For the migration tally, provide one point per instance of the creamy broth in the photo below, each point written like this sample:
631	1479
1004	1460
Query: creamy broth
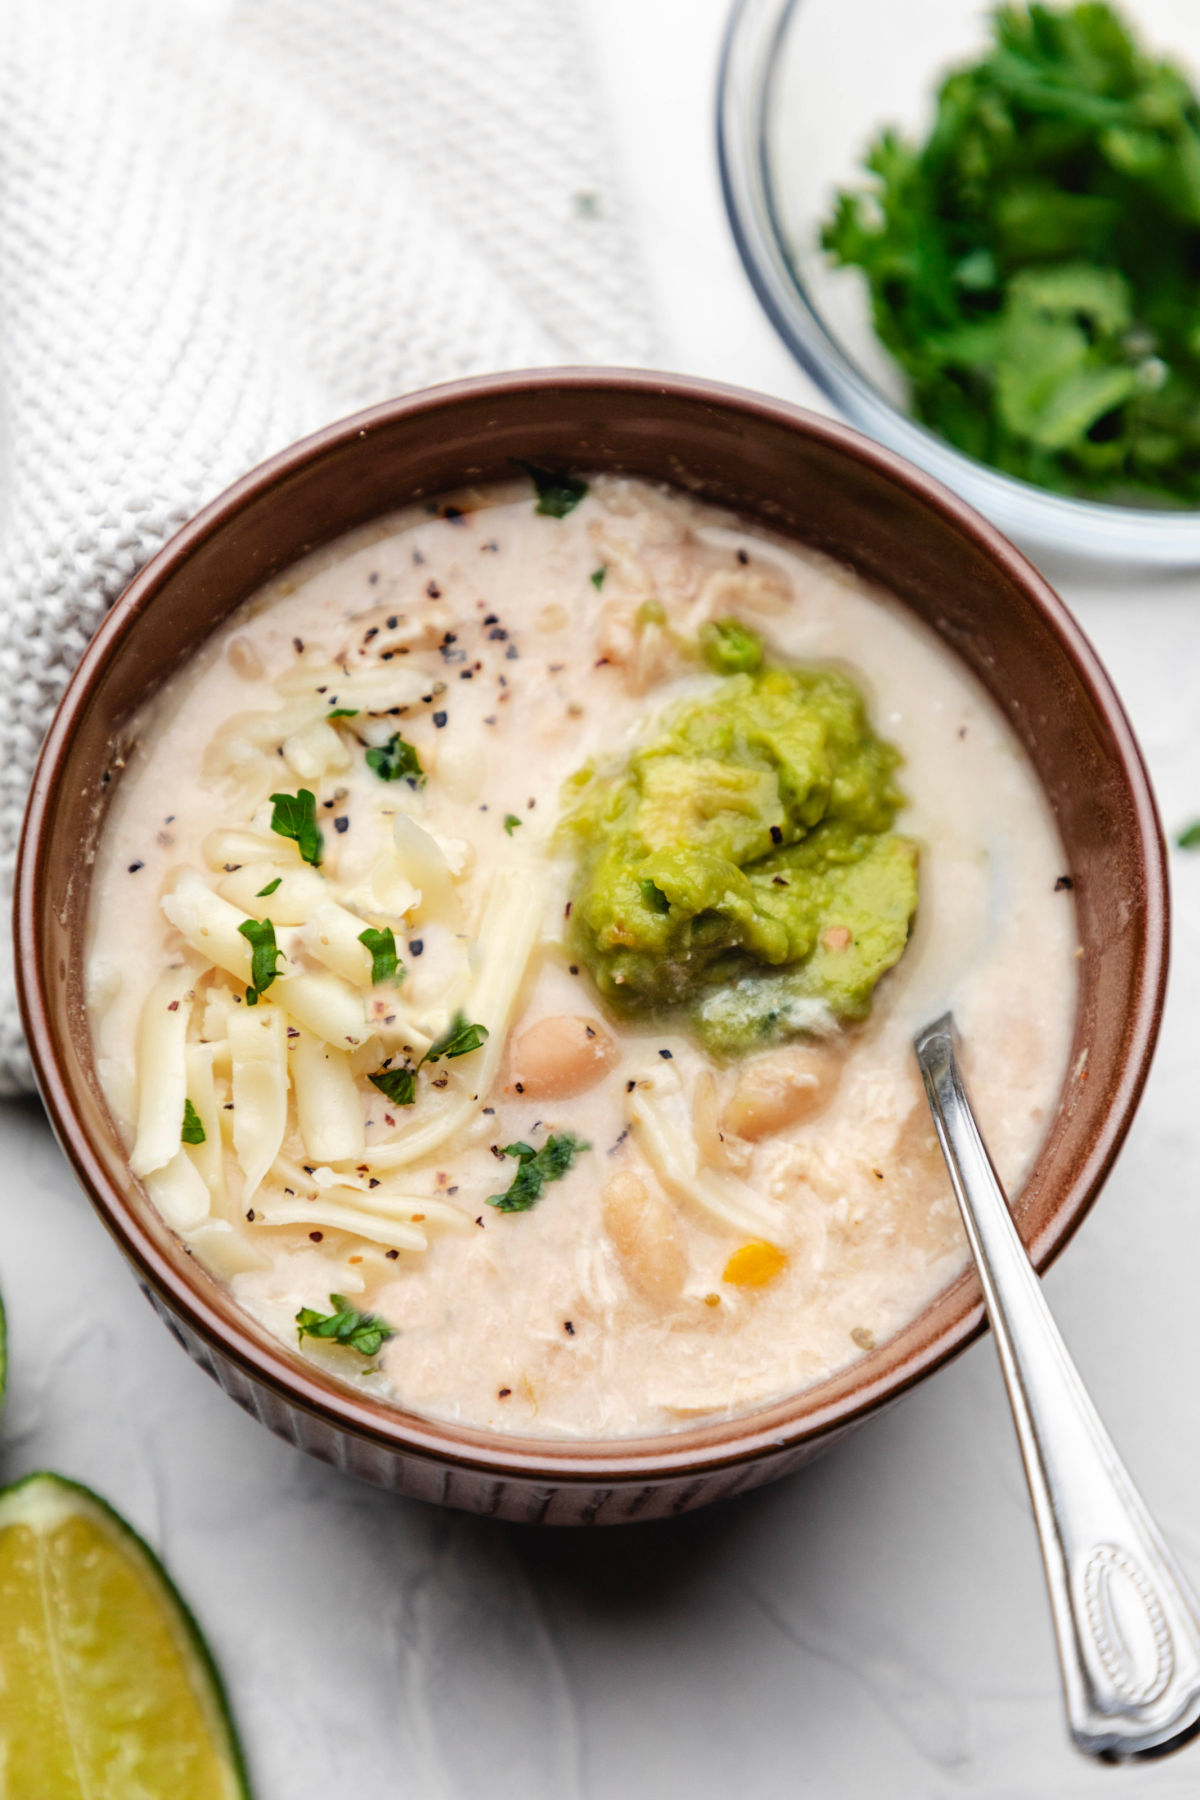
518	646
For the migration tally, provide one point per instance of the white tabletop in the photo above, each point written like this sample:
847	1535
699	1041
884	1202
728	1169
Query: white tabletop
874	1627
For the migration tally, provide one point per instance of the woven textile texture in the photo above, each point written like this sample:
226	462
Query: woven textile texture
225	222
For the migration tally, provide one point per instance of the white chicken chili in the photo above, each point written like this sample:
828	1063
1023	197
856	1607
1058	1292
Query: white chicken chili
506	941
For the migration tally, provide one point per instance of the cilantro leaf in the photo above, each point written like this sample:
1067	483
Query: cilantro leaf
343	712
511	822
362	1331
397	1085
395	761
193	1131
295	816
264	954
269	889
557	492
1032	263
535	1168
381	946
1189	837
459	1039
597	576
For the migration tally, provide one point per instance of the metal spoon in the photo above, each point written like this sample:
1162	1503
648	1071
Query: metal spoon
1126	1622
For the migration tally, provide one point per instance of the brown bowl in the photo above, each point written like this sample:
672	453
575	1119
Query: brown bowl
799	474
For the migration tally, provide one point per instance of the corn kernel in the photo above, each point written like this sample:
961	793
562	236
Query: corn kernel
754	1265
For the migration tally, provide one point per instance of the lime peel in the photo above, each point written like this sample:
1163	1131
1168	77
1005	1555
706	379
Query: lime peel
110	1688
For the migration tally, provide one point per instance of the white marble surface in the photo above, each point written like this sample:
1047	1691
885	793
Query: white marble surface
873	1627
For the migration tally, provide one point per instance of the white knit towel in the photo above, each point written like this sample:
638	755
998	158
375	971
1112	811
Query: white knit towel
225	222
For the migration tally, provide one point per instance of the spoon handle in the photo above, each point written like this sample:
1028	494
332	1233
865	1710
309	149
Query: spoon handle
1126	1621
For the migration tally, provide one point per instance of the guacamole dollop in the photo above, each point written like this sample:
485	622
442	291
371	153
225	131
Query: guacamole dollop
742	866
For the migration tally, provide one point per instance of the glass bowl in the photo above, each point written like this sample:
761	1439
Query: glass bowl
804	86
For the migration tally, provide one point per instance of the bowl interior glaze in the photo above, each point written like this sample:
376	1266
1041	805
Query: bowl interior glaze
797	474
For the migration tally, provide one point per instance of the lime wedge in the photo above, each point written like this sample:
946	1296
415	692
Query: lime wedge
108	1688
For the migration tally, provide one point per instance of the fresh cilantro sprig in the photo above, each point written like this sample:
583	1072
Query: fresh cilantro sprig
397	1085
396	761
1032	263
264	955
193	1131
459	1039
362	1331
534	1169
558	493
381	947
295	816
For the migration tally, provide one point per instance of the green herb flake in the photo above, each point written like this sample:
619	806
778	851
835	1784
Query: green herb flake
269	889
397	1085
557	492
597	576
264	953
1032	263
193	1131
511	822
459	1039
535	1169
343	712
295	816
1189	837
396	761
381	947
361	1331
731	649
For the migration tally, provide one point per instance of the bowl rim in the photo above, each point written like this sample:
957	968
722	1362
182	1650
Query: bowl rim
1091	529
774	1426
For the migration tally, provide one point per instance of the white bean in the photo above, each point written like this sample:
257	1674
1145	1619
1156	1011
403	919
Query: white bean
560	1056
641	1224
780	1089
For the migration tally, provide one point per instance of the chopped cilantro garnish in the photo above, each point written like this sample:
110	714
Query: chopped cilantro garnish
343	712
459	1039
381	946
1032	264
557	492
730	648
535	1169
397	1085
361	1331
597	576
511	822
1189	837
193	1131
654	897
269	889
295	816
264	952
397	760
